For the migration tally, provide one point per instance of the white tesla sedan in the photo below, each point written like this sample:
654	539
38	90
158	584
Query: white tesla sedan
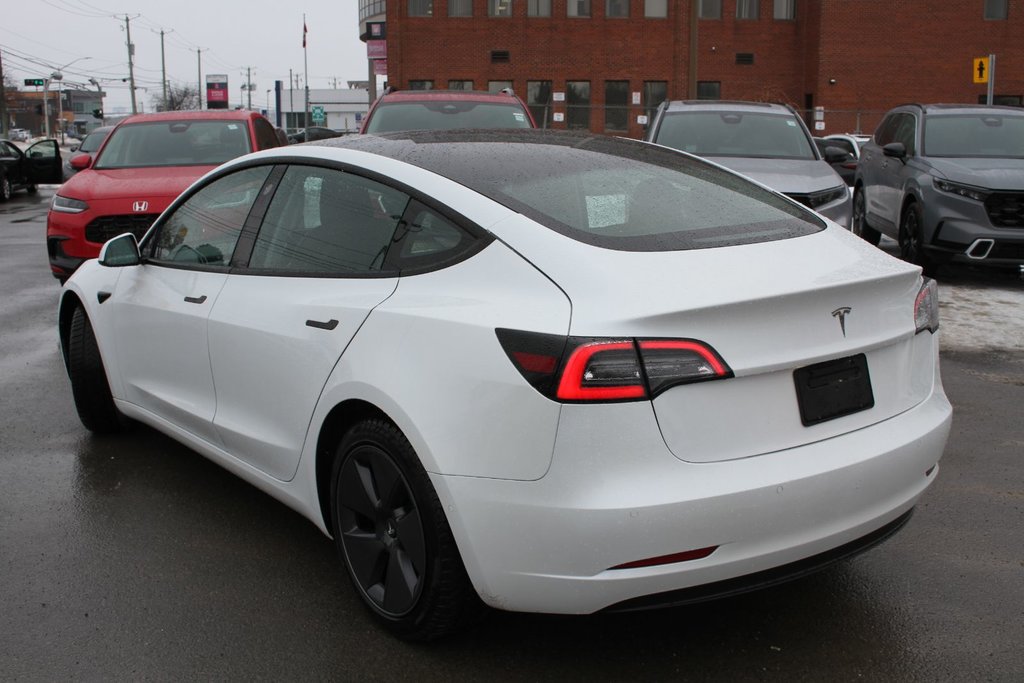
540	371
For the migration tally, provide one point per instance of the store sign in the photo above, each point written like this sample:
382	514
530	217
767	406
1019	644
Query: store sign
377	49
216	91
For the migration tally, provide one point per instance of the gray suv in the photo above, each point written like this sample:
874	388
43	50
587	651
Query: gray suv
947	182
766	142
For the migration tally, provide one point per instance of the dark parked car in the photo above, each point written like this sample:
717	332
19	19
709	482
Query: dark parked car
23	170
841	155
313	133
89	145
947	182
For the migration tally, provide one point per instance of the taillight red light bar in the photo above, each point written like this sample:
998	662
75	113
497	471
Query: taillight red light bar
589	369
685	556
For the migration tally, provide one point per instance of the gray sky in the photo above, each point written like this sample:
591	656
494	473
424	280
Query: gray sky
37	36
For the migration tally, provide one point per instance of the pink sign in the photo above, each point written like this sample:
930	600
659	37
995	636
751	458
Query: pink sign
377	49
380	67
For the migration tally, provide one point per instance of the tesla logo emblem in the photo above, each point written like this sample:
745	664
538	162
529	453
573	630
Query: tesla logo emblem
140	206
841	313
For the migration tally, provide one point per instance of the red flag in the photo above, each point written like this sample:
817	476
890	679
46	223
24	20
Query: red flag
304	32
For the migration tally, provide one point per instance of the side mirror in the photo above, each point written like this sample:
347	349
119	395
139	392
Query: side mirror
835	155
896	150
120	251
81	161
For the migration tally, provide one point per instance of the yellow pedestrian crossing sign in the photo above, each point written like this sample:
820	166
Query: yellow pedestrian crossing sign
981	69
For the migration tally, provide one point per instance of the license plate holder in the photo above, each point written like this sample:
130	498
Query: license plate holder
832	389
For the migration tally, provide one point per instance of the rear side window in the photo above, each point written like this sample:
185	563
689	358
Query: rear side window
327	222
446	115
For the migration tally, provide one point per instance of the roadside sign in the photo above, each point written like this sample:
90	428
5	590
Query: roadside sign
318	114
980	69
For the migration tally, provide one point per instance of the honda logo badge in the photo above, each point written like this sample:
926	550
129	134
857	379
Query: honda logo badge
841	313
139	207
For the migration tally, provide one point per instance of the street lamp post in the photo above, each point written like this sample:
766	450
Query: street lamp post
58	76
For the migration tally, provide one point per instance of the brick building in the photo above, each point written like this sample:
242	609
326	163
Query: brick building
603	64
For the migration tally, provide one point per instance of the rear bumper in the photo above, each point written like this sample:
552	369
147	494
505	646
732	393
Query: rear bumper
615	495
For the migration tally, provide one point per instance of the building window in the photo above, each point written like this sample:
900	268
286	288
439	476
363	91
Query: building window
709	90
616	105
499	8
538	99
1006	100
421	85
577	104
710	9
655	92
785	9
747	9
577	8
421	8
655	9
538	8
460	8
498	86
616	8
995	9
460	85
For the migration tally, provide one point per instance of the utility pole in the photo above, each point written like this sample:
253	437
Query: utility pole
291	98
199	76
131	66
163	69
249	86
3	99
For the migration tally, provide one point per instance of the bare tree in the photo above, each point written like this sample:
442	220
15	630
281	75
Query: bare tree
179	97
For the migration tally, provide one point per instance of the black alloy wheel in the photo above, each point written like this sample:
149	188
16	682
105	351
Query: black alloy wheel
859	220
393	537
912	239
5	188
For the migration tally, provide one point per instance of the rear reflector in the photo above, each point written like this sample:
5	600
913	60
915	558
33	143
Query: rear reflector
684	556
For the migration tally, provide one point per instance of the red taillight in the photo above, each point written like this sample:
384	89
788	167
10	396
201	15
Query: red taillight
582	369
685	556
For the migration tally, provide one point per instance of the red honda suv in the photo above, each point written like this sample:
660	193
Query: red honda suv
143	165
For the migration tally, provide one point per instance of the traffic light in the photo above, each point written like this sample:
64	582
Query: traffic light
97	113
35	81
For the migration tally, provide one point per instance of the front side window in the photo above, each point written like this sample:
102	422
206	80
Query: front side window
616	8
616	105
655	9
203	231
175	143
886	129
735	134
996	9
747	9
538	8
499	8
577	8
327	222
421	8
906	132
577	101
460	8
710	9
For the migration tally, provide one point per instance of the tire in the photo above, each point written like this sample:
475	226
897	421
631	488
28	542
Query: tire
393	537
5	188
859	220
911	239
89	384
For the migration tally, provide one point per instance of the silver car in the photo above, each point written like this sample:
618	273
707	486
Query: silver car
766	142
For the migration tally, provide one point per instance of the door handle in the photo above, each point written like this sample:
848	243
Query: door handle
329	325
195	299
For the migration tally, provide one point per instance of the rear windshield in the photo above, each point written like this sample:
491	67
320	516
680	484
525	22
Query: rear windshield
174	143
735	134
619	194
974	135
445	115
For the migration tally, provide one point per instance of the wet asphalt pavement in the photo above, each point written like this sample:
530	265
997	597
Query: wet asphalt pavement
133	558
